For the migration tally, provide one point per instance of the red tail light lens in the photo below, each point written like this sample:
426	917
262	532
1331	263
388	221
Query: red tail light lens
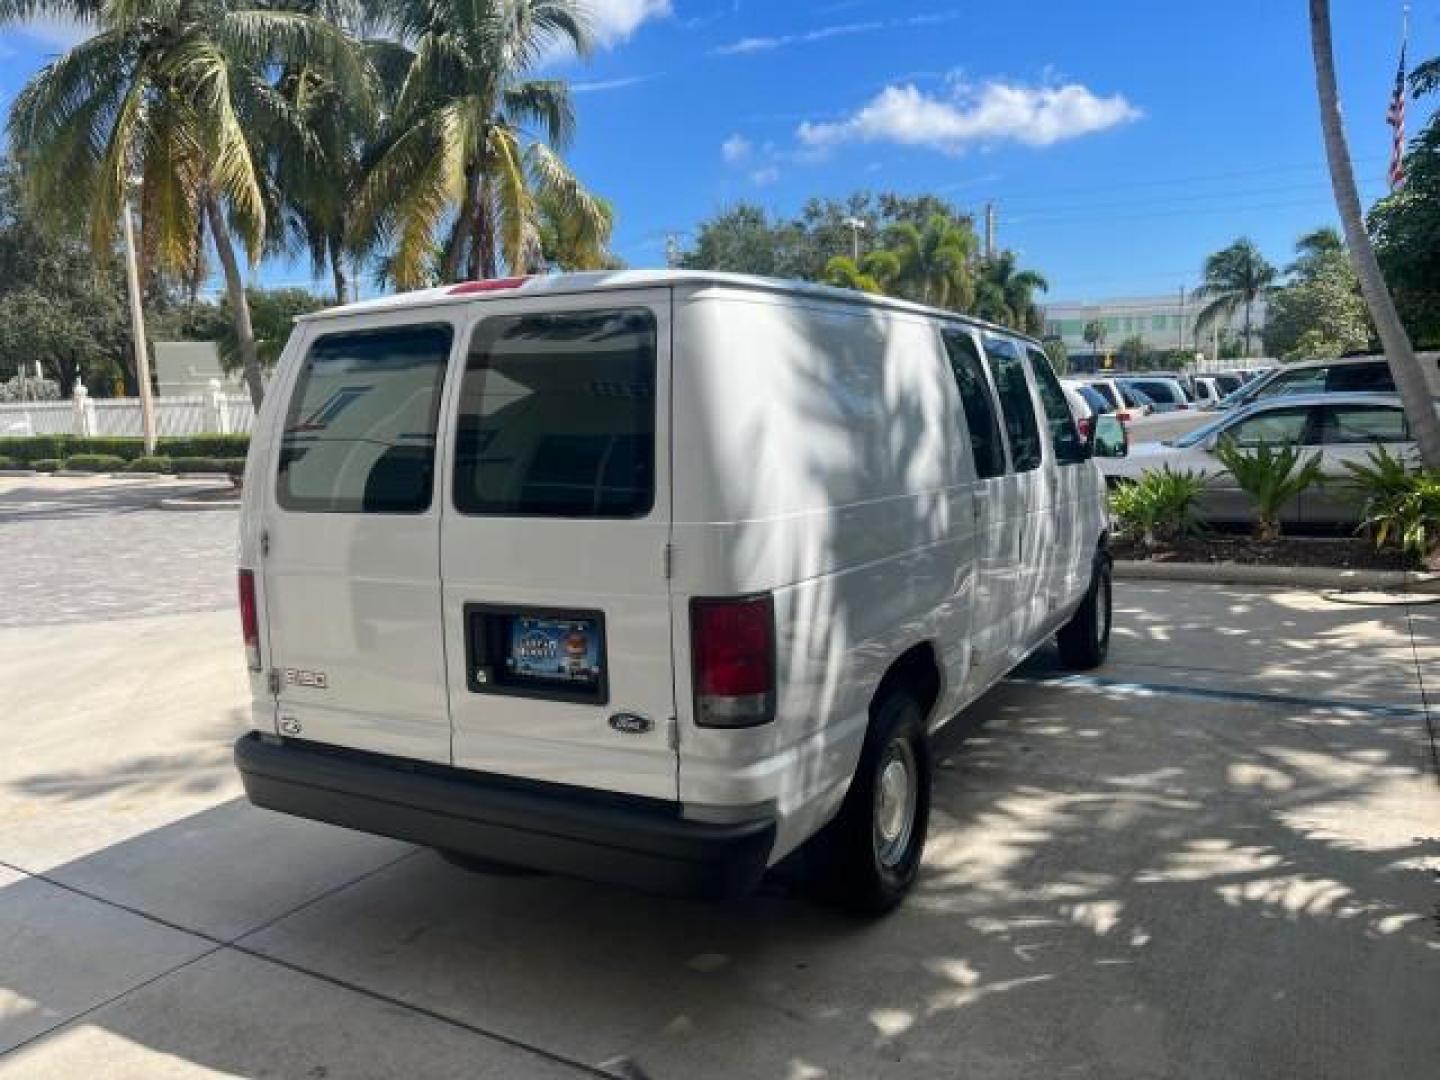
467	288
1084	424
250	619
733	646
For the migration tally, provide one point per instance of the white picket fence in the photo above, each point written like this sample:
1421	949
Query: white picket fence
213	413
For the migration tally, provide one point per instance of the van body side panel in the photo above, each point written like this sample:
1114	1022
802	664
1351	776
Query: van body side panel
815	458
352	596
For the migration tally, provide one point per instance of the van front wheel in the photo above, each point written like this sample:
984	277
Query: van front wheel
867	858
1085	640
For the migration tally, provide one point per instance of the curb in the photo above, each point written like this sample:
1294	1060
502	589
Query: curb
192	503
18	472
1312	577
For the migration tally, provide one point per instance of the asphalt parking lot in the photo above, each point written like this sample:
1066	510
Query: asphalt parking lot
1218	858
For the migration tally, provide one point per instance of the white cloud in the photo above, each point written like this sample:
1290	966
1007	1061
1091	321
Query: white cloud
996	111
750	45
735	149
823	33
600	85
614	21
765	177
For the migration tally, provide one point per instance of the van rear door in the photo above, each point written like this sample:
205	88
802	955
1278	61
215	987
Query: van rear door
553	553
351	538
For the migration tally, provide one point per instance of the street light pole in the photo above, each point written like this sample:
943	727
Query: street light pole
856	226
137	328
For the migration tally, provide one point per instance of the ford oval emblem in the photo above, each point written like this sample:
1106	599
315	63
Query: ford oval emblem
629	723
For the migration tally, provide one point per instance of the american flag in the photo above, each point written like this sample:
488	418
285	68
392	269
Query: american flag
1395	117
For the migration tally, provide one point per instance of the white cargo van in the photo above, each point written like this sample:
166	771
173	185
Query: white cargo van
652	577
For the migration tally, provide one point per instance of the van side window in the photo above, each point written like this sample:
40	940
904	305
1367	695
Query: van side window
359	434
1007	368
557	416
1064	435
986	442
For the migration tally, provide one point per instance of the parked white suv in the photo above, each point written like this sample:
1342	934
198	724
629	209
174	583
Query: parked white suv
652	577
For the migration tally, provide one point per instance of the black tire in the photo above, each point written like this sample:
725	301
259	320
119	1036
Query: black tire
852	862
1085	640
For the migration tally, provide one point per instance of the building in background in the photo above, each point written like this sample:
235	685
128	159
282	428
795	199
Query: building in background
1164	324
184	368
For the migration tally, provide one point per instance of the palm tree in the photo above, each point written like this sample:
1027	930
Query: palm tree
1316	250
1006	295
934	261
1410	378
169	92
474	140
874	273
1234	279
1095	337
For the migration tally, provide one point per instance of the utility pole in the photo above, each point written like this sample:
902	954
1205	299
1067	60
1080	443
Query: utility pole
989	230
856	226
137	329
1180	328
672	250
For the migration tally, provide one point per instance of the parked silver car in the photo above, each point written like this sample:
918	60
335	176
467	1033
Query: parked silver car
1339	427
1354	374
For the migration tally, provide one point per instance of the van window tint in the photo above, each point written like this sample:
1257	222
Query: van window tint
557	416
1064	435
1007	368
986	443
1350	425
360	431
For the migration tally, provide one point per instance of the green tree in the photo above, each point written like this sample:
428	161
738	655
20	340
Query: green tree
1318	316
1318	251
744	240
1133	354
1405	225
1094	335
1235	278
933	262
1059	355
169	91
274	312
1006	294
474	138
875	273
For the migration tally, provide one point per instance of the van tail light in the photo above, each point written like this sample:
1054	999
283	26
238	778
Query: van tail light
250	619
1085	423
732	645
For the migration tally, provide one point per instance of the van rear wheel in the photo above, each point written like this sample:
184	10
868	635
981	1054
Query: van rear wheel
1085	640
868	857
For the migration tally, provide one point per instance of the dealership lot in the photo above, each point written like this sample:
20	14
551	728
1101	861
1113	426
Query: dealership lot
1220	856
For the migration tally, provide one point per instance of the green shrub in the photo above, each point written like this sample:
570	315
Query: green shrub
149	464
103	463
46	464
36	447
235	466
8	463
1402	508
1159	508
1272	477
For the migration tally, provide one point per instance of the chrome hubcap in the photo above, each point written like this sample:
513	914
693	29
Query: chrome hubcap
895	798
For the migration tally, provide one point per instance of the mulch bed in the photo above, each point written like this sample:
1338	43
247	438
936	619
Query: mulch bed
1341	553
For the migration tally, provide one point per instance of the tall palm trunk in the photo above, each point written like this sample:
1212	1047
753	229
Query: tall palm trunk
1248	302
338	273
239	305
1405	366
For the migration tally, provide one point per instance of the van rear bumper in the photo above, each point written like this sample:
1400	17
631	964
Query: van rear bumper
624	840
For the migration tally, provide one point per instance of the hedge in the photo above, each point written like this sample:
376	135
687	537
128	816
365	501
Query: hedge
149	464
58	447
232	466
100	463
9	463
45	464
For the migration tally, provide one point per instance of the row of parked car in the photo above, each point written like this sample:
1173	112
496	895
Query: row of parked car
1341	410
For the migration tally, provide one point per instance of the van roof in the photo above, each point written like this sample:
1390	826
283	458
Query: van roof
570	284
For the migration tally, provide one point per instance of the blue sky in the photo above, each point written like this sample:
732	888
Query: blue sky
1122	140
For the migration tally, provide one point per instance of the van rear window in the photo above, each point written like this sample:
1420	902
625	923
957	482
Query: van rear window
360	431
557	416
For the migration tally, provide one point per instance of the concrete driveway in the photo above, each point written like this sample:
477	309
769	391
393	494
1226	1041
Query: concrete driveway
1220	857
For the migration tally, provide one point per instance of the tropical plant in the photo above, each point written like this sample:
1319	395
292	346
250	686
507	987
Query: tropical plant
170	92
933	262
1059	355
1006	295
1317	252
1159	508
1094	334
1410	378
1272	477
474	140
874	273
1235	278
1134	354
274	312
1401	507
